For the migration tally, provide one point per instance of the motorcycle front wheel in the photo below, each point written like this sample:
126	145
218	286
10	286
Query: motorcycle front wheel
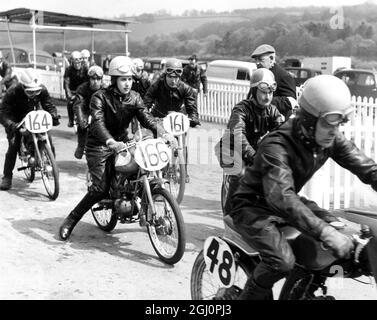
205	287
104	215
49	171
176	176
167	230
29	171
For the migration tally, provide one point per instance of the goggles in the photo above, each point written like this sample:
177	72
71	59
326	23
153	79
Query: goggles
265	87
32	93
335	118
95	74
172	71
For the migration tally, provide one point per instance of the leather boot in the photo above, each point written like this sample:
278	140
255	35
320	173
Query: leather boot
253	291
6	183
68	224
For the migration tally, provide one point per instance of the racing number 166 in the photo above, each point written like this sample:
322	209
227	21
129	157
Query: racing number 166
153	154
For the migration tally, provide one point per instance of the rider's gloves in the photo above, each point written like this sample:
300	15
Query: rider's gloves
11	128
55	121
249	157
116	146
170	139
194	123
83	124
340	244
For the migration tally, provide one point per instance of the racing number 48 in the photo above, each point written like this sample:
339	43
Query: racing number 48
224	267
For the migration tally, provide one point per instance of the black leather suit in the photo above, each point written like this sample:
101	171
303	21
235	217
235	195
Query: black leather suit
14	107
162	99
266	194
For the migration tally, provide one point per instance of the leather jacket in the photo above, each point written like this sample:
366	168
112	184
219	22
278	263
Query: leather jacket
73	78
141	84
81	103
284	163
254	123
194	76
112	113
161	99
16	105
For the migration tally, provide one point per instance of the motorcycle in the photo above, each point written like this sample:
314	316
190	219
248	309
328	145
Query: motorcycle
137	194
222	268
177	124
36	152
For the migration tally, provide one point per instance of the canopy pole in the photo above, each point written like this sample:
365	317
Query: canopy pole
92	53
33	26
126	42
11	42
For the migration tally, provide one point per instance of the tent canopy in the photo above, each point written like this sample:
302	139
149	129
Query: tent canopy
24	15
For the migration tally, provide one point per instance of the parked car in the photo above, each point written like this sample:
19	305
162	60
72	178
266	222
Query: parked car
302	74
236	72
361	82
24	58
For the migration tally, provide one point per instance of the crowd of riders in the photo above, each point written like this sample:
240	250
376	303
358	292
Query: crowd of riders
277	140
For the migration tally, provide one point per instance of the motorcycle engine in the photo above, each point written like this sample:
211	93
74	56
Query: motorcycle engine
123	207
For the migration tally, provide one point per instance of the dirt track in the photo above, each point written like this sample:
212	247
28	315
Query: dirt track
94	265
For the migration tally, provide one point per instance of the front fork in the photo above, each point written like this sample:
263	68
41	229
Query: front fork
42	137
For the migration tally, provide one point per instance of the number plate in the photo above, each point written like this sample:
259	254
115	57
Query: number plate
152	154
38	121
176	123
220	261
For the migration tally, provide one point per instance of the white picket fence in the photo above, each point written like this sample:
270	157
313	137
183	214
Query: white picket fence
332	186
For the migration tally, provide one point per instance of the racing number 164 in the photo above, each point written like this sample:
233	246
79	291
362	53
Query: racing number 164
36	124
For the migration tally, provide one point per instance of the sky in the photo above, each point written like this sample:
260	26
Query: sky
115	8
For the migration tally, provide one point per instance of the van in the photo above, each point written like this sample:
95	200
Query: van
24	58
230	71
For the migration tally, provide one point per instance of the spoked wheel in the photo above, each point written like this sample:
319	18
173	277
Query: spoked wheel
104	215
29	171
49	171
176	175
167	231
205	287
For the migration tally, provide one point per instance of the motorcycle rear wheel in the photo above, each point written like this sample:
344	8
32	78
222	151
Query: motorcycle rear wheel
204	287
49	171
167	232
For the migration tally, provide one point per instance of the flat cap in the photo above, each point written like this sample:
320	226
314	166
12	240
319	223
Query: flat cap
263	49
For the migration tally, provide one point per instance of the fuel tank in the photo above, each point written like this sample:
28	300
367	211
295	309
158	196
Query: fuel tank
311	253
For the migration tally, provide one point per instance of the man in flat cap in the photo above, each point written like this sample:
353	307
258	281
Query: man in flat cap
285	94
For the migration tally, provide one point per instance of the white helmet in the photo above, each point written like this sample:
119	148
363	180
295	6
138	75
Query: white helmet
29	78
75	55
121	66
138	63
326	96
95	71
85	53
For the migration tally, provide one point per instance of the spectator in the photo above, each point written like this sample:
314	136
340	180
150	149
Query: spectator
5	73
194	75
106	64
285	94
